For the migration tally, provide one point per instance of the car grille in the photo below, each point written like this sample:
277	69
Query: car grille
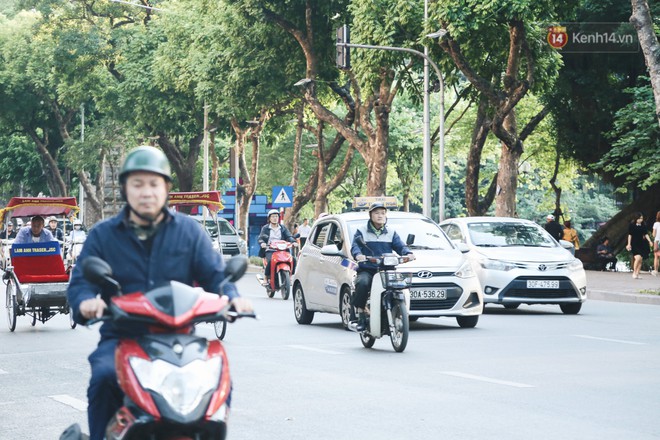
454	292
230	248
518	289
541	267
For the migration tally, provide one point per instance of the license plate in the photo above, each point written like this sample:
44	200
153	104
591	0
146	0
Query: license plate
542	284
428	294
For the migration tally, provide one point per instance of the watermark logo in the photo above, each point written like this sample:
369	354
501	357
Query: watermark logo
592	37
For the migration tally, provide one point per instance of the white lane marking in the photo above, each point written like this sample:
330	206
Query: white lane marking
318	350
3	371
6	403
487	379
620	341
70	401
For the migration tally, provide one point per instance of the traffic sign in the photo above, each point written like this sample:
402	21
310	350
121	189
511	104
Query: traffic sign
282	196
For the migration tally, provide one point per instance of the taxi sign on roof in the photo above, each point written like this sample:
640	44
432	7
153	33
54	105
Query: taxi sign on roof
365	202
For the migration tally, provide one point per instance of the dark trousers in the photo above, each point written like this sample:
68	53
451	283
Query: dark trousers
606	261
104	396
362	287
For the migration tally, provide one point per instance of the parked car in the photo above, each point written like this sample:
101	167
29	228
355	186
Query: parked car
518	262
443	281
228	241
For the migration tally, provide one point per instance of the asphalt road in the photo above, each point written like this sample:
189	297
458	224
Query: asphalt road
521	374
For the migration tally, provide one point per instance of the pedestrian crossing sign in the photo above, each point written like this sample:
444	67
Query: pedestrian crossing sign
282	196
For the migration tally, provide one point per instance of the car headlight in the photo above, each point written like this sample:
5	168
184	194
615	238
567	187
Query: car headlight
575	265
465	271
496	265
182	387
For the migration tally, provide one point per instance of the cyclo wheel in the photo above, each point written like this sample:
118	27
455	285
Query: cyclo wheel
220	328
72	323
34	317
399	336
10	302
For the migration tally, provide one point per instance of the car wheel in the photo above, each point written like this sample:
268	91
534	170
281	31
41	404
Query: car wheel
303	316
570	308
467	321
511	306
345	307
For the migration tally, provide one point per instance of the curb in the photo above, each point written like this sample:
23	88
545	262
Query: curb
635	298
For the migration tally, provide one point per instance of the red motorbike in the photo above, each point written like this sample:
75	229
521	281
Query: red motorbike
176	384
281	268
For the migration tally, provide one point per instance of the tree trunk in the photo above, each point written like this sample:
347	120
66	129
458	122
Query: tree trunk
507	175
183	166
643	22
479	136
555	188
50	167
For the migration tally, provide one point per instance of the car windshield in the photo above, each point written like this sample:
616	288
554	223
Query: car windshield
212	227
425	234
502	234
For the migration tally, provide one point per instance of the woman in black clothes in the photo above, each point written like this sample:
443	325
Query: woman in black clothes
638	242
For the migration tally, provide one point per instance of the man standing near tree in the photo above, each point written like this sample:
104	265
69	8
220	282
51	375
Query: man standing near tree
553	227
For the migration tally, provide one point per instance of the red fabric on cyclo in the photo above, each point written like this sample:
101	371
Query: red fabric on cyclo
38	263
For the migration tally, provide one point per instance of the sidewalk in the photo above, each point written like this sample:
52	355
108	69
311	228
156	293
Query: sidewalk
621	287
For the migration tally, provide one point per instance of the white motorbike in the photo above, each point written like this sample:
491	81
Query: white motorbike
388	302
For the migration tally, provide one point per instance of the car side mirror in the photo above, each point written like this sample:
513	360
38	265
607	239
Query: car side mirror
331	250
568	246
240	232
462	247
410	239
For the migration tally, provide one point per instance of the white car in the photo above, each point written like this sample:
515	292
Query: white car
518	262
443	281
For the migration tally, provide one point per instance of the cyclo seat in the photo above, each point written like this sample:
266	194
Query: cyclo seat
38	262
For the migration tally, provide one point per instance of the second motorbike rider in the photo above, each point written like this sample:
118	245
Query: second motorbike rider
146	246
372	239
273	230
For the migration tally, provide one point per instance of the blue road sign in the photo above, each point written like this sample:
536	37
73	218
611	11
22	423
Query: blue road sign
282	196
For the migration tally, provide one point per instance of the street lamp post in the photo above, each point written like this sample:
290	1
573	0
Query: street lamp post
427	153
426	170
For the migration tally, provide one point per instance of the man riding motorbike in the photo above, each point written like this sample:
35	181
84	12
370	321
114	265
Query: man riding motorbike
146	246
372	239
273	230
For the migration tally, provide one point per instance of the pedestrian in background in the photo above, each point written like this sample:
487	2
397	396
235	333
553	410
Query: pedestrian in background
553	227
638	241
304	231
656	244
570	234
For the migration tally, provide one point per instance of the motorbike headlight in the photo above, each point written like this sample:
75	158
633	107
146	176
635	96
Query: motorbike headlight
281	246
182	387
395	280
575	265
465	270
496	265
390	261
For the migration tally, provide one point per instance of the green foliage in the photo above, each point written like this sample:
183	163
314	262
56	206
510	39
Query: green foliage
20	168
635	141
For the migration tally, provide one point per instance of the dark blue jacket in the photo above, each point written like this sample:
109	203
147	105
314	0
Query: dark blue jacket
181	251
367	242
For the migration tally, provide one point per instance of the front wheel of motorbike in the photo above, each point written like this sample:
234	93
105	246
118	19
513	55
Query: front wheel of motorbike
399	335
285	284
220	328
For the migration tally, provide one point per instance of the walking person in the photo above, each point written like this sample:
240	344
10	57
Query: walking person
656	244
638	241
304	231
571	235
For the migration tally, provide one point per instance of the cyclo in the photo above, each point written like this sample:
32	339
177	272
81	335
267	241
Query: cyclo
207	204
35	276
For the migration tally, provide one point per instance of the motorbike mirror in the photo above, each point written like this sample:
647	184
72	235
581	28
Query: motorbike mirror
236	267
411	239
96	270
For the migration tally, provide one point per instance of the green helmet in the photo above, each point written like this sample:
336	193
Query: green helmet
146	158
